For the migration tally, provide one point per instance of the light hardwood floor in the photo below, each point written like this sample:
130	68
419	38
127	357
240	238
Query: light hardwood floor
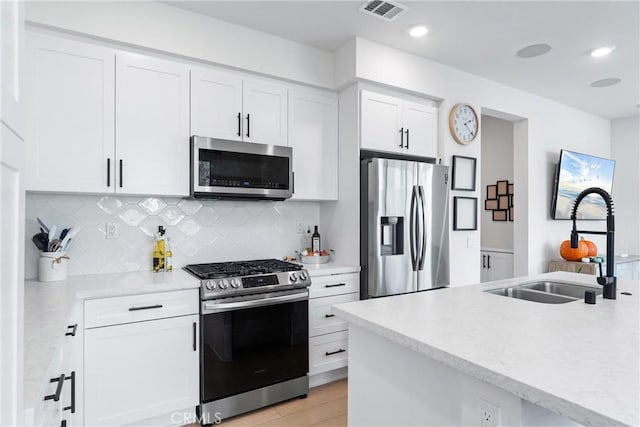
325	405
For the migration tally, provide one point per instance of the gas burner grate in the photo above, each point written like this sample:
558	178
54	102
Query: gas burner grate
220	270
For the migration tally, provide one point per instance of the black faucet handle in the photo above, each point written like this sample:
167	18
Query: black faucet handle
574	238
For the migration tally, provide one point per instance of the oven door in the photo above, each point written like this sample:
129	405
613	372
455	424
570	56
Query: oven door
249	343
232	169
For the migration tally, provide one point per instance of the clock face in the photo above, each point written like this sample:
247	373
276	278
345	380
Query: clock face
463	123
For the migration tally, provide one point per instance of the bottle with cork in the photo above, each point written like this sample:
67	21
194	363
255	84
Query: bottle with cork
159	251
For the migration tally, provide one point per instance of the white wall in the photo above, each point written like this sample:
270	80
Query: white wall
625	150
497	165
550	126
200	230
167	29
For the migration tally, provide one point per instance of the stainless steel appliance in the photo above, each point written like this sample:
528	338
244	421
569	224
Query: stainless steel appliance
254	335
224	169
404	227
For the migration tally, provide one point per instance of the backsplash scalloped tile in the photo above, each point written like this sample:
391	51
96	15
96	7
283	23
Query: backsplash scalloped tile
200	230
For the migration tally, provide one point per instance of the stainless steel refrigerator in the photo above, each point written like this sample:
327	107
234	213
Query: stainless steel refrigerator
404	222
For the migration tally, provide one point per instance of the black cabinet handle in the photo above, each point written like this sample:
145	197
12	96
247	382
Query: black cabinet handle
72	407
120	173
194	336
407	133
56	395
239	124
329	353
63	423
248	125
329	315
401	137
73	328
335	286
108	172
483	261
489	261
148	307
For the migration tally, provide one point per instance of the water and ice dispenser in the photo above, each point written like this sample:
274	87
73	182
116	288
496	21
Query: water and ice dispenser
391	235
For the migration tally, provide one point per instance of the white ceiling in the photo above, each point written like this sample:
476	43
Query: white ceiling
480	37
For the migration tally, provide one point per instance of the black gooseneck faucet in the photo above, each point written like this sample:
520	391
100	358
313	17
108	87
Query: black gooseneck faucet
608	282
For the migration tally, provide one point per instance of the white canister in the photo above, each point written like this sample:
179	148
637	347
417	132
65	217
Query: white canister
52	266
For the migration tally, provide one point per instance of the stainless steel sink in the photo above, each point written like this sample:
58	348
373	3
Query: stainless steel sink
531	295
561	288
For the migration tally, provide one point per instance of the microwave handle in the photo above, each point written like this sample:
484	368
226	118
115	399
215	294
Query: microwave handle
293	182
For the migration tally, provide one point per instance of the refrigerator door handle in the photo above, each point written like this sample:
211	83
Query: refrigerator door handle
412	229
423	224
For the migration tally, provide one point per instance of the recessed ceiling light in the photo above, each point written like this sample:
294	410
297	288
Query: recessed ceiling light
602	51
533	50
606	82
418	31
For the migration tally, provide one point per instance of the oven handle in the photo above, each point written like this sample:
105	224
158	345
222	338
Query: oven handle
228	306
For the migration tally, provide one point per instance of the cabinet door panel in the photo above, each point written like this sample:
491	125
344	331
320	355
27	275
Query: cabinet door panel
11	34
140	370
313	135
266	106
381	120
216	101
421	121
152	126
70	115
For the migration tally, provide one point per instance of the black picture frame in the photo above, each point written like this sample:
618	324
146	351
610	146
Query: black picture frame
463	173
503	188
492	192
465	213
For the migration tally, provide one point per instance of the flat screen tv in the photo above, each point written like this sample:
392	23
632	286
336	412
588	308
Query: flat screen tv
574	173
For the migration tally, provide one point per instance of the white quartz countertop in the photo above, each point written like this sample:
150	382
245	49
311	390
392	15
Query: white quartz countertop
575	359
330	268
48	307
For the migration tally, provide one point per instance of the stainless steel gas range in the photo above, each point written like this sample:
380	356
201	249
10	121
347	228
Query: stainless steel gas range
254	335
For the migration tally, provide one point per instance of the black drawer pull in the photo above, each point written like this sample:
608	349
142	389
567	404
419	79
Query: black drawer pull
148	307
72	407
72	333
329	315
56	396
329	353
63	423
335	286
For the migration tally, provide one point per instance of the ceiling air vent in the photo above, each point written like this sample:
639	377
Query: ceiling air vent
386	10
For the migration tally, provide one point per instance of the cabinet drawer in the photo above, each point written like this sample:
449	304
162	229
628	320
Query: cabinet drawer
321	320
337	284
327	352
137	308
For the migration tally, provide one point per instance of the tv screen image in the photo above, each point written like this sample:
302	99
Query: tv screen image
575	173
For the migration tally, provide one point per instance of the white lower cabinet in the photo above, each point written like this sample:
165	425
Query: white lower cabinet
496	265
328	333
60	398
143	369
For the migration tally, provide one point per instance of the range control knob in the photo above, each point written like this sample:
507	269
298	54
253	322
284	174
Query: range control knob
303	276
224	284
235	283
293	277
208	285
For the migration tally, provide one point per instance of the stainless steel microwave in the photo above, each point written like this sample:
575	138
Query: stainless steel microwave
224	169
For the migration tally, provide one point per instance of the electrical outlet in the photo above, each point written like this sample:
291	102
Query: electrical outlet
112	230
489	414
300	227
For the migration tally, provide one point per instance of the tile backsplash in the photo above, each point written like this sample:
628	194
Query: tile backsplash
200	230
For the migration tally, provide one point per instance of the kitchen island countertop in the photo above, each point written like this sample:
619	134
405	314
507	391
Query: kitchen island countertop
577	360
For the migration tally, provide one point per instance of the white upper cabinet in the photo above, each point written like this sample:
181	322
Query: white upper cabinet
381	122
313	135
11	31
70	90
265	112
395	125
216	104
421	129
226	106
152	126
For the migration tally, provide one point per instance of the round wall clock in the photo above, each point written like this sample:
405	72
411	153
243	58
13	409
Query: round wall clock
463	123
